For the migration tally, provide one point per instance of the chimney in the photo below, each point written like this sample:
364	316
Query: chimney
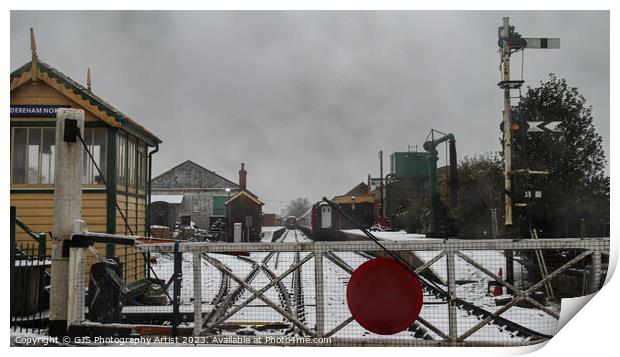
242	178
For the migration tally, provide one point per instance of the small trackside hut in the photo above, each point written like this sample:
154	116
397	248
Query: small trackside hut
245	213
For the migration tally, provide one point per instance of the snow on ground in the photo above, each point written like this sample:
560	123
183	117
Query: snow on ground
395	236
472	287
272	228
475	290
259	311
268	233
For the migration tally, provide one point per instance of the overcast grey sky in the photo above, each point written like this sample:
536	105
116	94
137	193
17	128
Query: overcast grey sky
307	99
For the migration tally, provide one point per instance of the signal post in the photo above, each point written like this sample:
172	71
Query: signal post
510	41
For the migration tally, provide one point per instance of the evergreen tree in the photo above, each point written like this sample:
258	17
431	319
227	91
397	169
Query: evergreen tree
576	187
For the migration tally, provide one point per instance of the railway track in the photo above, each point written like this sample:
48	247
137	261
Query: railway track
298	292
294	303
515	328
223	289
278	253
283	294
224	301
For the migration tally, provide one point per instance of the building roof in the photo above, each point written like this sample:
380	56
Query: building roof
353	199
83	96
242	194
172	199
188	175
358	194
360	189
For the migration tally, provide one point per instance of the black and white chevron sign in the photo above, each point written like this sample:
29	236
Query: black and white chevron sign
547	126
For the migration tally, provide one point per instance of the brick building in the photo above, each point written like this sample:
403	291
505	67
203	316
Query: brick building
204	192
246	209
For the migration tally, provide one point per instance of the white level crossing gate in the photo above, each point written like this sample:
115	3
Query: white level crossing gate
293	292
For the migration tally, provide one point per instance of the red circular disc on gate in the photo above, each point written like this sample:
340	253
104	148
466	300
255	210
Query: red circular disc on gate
384	297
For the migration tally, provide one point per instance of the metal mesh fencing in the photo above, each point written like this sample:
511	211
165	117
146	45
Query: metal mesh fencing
123	289
29	293
294	291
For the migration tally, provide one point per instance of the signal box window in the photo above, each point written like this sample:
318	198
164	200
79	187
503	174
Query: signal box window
32	156
33	152
95	139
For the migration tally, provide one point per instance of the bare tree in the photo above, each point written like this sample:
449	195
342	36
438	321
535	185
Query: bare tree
298	206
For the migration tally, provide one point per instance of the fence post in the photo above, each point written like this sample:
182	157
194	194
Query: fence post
176	288
77	285
42	245
42	257
452	318
196	260
596	270
67	209
318	284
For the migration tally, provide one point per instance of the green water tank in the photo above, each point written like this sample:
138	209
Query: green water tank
409	164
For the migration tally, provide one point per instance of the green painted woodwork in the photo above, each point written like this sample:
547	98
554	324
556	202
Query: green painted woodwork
219	208
111	197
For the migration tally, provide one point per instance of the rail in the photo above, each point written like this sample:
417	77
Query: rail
365	246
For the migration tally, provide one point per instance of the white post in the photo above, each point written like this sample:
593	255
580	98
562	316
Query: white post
318	285
452	318
196	260
238	232
596	270
67	209
77	284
